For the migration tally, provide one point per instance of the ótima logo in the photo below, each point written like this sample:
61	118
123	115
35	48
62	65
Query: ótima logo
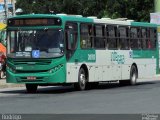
120	59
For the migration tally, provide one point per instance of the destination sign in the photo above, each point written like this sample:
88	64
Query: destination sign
34	22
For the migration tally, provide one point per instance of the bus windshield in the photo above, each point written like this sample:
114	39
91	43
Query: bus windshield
43	43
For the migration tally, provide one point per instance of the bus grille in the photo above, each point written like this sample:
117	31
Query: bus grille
36	71
30	62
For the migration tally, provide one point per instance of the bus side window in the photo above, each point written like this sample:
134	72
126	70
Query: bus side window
86	36
152	42
123	40
99	40
112	37
134	41
144	38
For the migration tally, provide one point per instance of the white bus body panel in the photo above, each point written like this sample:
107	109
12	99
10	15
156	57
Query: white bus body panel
107	69
72	72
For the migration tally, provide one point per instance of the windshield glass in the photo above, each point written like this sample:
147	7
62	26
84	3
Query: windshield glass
42	43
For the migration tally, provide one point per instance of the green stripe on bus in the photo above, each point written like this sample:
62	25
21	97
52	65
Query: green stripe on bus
144	54
84	56
143	24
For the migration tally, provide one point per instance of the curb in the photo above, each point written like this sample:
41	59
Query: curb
3	84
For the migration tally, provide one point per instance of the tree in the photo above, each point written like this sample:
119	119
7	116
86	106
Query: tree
132	9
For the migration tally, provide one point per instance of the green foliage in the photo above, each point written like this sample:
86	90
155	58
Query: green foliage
132	9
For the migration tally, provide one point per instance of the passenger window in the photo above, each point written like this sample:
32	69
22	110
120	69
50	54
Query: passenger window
112	37
123	38
99	41
152	40
144	38
86	36
134	41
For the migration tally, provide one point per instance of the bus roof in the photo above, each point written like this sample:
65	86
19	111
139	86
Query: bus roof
79	18
112	21
125	22
62	16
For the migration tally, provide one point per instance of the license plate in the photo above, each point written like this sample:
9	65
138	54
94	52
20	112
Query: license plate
31	78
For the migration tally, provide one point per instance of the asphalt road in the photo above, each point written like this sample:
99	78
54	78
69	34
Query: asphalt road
105	99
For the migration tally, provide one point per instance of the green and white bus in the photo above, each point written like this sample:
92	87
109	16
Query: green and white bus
45	49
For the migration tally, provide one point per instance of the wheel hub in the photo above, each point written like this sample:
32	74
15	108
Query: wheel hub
82	79
133	78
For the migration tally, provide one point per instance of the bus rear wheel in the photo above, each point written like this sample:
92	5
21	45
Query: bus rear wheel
31	88
133	75
82	80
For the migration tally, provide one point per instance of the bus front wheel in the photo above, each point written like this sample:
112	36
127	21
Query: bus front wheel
82	80
31	88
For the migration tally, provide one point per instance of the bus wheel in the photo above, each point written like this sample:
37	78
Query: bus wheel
82	80
133	75
31	88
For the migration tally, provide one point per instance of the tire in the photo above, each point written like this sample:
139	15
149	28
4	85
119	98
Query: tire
31	88
82	80
133	75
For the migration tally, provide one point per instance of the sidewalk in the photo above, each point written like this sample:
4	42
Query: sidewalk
3	84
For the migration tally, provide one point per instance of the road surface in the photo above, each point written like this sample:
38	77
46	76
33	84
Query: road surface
105	99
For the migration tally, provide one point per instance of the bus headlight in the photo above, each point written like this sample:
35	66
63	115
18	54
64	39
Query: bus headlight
11	69
50	71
